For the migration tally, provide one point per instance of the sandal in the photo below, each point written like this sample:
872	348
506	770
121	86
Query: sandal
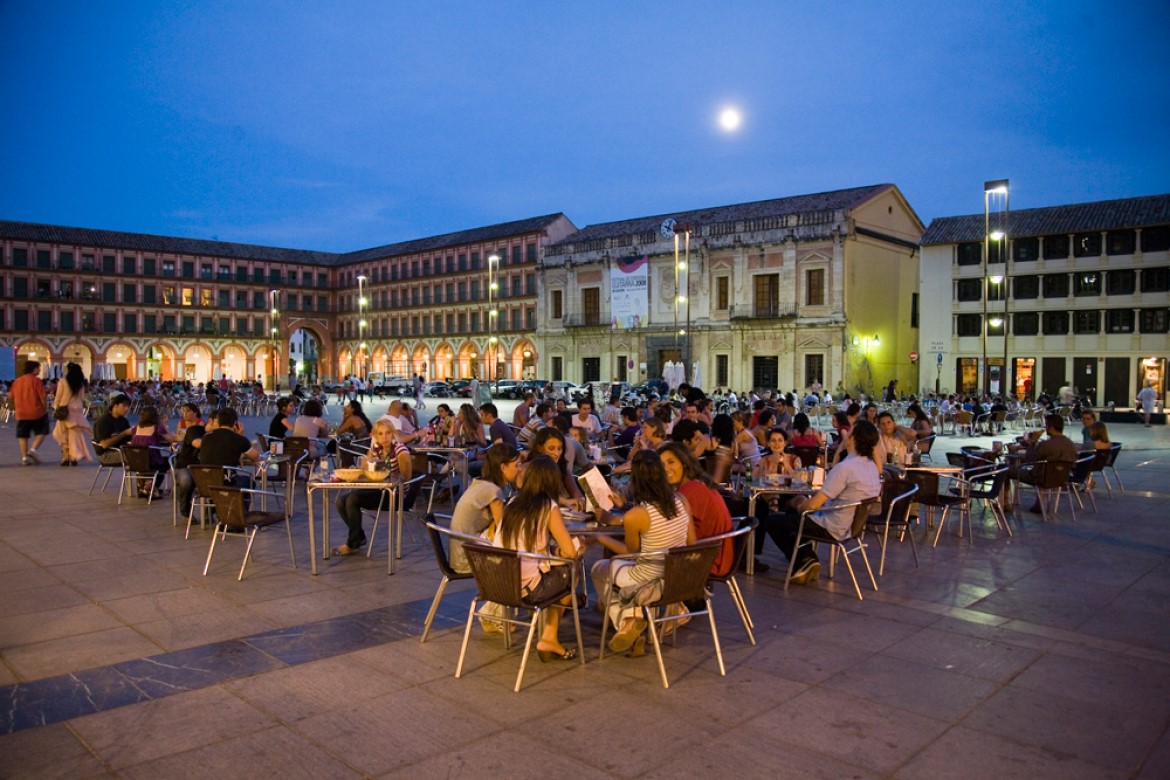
552	655
345	550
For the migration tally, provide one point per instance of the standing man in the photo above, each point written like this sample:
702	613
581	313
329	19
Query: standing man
32	414
1145	399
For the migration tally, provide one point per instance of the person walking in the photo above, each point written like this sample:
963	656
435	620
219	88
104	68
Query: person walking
418	392
72	430
1145	398
32	414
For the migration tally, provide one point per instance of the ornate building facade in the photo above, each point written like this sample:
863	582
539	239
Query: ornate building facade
777	294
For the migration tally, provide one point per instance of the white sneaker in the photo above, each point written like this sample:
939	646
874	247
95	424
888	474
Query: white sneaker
32	456
26	461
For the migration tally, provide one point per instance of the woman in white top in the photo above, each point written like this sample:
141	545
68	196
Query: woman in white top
531	521
309	424
660	520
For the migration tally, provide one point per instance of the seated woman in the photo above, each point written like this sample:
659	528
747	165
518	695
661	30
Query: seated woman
922	426
481	506
385	449
659	520
468	428
746	444
777	460
723	437
762	425
550	442
282	425
150	432
441	424
530	523
803	434
1098	437
709	512
354	422
311	426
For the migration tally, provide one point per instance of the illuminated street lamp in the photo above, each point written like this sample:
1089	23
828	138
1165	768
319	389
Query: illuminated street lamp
995	193
493	315
274	316
682	288
363	303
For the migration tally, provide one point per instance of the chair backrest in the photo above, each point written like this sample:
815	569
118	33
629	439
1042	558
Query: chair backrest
436	533
497	573
686	572
1101	459
991	482
927	482
229	504
925	443
743	526
262	442
348	458
1114	451
1082	469
808	456
861	515
1053	473
957	459
896	500
964	417
207	477
136	459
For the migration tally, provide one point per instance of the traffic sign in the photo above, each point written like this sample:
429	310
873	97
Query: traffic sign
914	356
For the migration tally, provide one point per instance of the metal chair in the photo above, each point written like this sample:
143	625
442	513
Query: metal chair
233	517
924	446
105	467
686	571
1079	479
206	477
136	471
810	531
1050	479
897	497
744	527
985	483
436	533
1114	451
808	456
497	575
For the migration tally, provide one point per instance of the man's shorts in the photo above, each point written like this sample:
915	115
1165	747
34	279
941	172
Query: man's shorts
26	429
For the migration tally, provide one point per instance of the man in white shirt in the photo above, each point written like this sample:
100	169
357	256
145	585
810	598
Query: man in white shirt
402	424
586	419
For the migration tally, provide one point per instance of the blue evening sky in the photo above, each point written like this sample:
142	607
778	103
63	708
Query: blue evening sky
343	125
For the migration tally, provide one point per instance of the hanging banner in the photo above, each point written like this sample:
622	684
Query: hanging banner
629	293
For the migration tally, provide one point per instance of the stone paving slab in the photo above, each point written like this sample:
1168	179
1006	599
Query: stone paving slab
1047	654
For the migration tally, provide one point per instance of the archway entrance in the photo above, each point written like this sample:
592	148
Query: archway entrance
160	363
197	364
304	349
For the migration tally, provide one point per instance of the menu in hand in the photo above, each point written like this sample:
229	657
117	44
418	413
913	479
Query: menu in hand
596	490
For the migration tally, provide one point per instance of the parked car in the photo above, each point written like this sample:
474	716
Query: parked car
529	386
505	388
461	388
569	391
437	389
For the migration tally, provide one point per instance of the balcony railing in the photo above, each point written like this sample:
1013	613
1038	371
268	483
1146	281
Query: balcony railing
748	311
581	320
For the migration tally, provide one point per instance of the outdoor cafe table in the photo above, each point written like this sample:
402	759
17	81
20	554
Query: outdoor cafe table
389	488
789	486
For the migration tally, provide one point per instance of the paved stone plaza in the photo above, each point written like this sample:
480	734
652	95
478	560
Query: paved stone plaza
1043	655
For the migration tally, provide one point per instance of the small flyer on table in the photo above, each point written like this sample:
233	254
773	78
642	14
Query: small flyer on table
597	492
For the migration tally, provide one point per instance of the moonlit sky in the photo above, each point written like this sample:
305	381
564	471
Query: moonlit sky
344	125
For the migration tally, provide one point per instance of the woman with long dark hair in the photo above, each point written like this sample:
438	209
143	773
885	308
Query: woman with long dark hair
354	421
659	520
551	442
72	431
531	521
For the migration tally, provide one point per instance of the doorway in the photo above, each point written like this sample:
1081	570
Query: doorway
1084	379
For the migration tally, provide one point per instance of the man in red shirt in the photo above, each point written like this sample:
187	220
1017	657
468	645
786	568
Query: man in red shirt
32	415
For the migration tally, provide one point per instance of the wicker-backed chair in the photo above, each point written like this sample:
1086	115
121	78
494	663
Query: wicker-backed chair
686	571
436	533
136	471
1050	479
497	575
232	516
810	531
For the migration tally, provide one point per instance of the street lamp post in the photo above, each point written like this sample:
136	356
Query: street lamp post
363	303
998	189
273	300
682	289
493	315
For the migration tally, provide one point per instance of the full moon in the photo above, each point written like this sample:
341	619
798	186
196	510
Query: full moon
729	119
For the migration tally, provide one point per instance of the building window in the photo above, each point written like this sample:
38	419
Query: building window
43	258
1087	245
205	299
188	296
20	258
68	325
557	305
1025	250
913	310
65	261
109	292
970	253
1087	321
1155	279
558	369
767	295
591	305
44	321
130	323
722	293
205	271
188	269
1026	287
224	299
1155	239
1026	323
1087	283
149	294
1155	320
969	289
1055	247
168	267
814	369
1120	242
20	319
1122	282
814	280
530	253
128	265
129	293
110	322
530	319
968	324
1056	285
1119	321
1055	323
148	266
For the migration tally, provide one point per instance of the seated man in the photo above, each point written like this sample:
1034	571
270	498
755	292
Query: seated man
1057	448
222	445
855	478
629	433
498	430
112	430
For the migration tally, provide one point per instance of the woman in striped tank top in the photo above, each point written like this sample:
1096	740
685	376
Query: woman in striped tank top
386	448
659	520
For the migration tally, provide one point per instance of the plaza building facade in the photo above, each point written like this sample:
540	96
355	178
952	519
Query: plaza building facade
1074	295
776	294
136	306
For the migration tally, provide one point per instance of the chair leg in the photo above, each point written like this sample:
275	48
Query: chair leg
577	628
941	522
852	576
884	542
865	560
466	637
714	638
527	648
1117	476
211	552
247	553
434	608
657	646
292	553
